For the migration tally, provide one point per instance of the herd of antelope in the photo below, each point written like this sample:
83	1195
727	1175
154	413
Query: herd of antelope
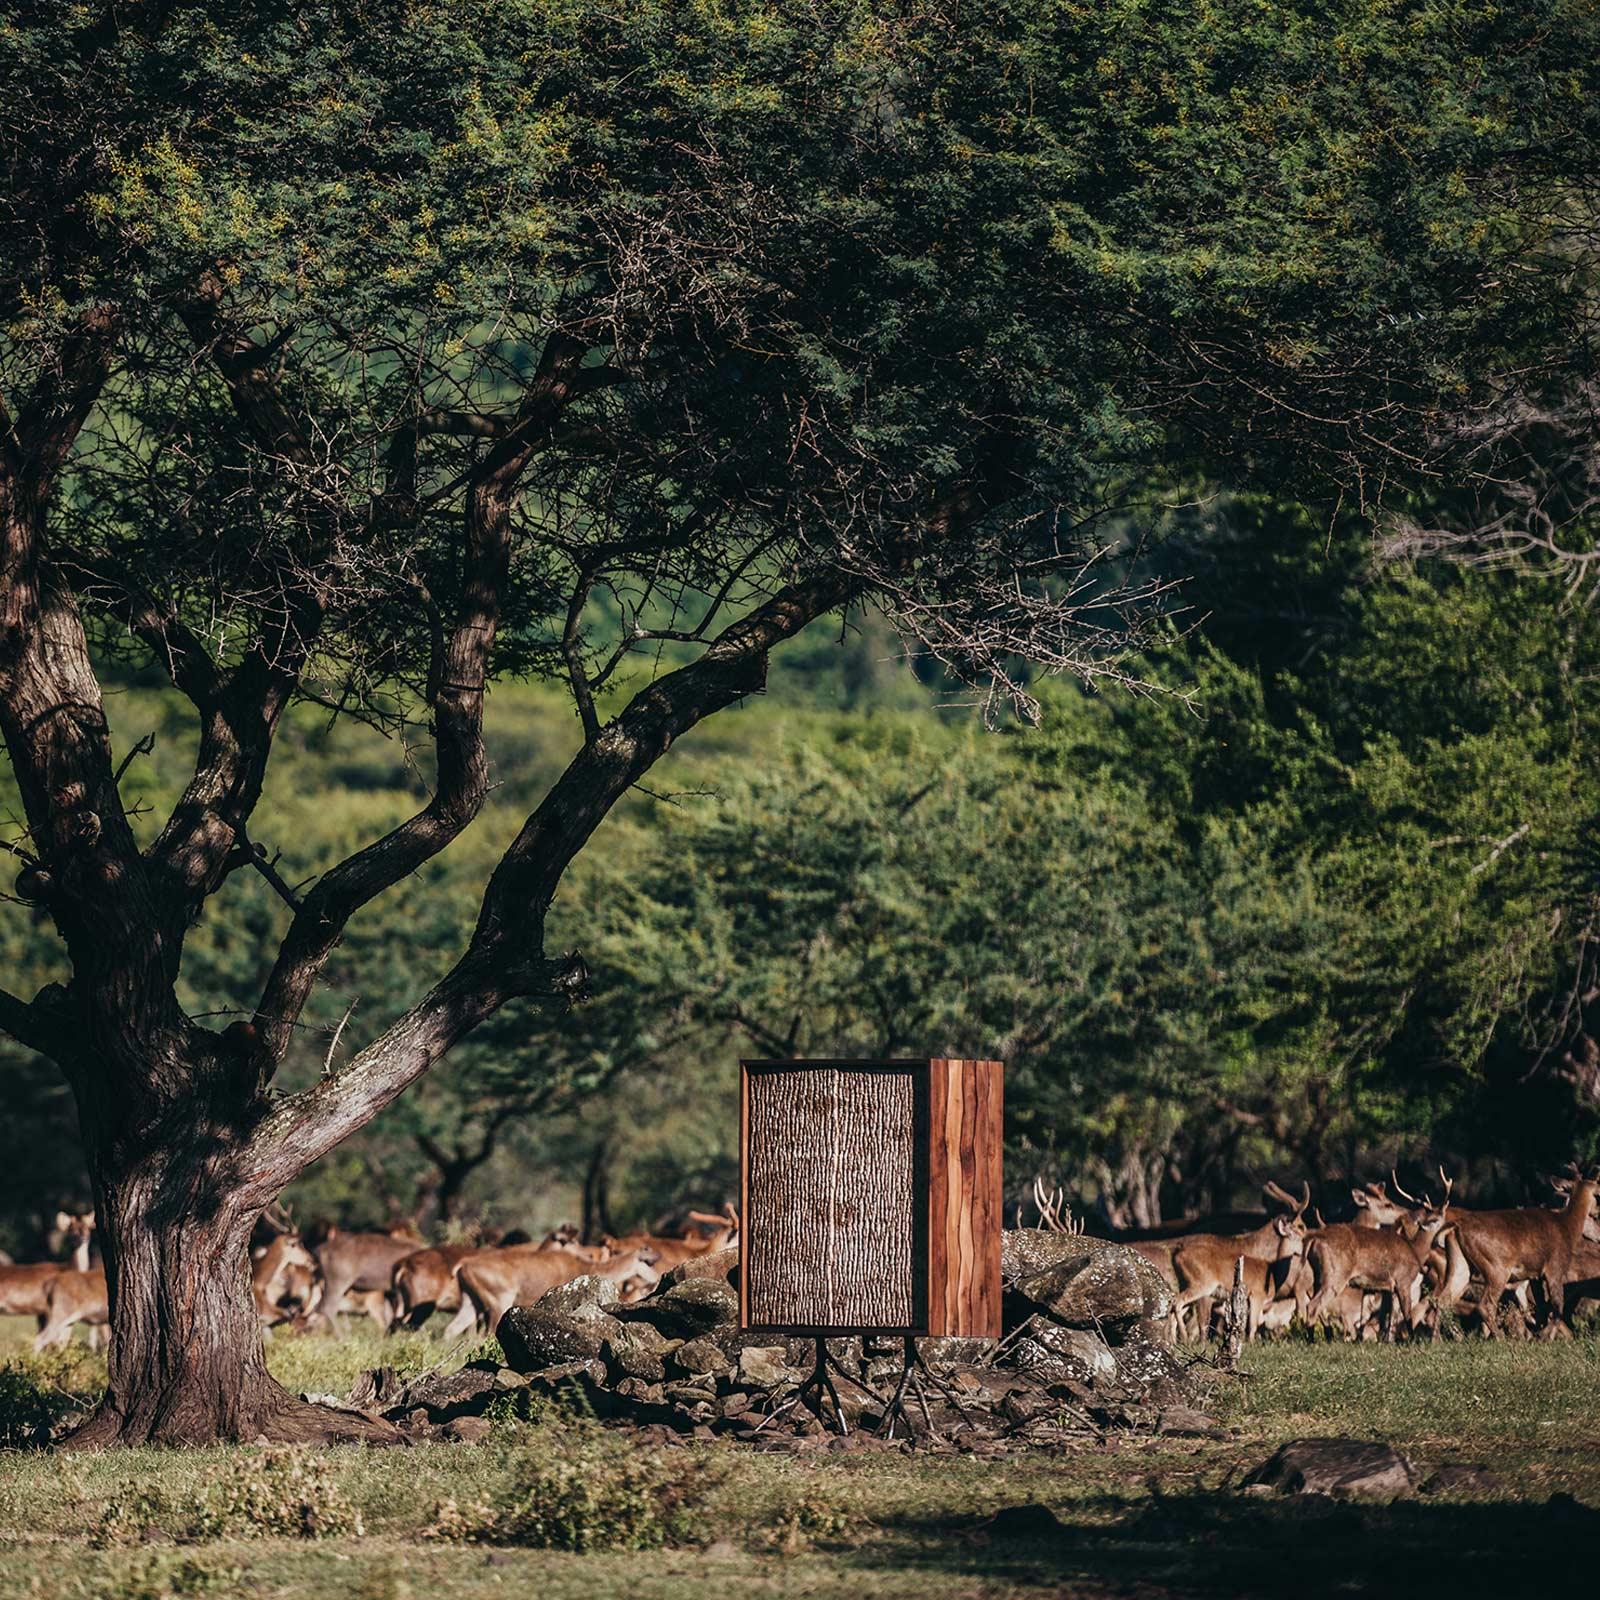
394	1278
1401	1264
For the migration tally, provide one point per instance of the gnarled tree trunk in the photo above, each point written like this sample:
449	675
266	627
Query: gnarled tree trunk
187	1364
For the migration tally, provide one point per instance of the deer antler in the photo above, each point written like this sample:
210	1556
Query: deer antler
1049	1204
1274	1191
1449	1184
1401	1192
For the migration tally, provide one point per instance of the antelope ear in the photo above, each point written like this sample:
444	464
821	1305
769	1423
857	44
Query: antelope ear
1360	1197
89	1220
63	1222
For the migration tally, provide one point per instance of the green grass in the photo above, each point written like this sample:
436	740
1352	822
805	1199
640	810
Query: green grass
1150	1516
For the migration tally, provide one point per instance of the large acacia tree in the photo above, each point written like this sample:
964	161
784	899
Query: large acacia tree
361	352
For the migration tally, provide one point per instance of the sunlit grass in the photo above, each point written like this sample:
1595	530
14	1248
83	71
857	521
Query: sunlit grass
1140	1512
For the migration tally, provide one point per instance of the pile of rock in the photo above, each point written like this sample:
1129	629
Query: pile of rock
1083	1353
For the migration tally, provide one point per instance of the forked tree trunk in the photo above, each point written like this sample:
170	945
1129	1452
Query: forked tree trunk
186	1363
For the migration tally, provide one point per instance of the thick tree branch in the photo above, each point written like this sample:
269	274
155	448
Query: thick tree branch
35	1026
48	425
462	772
177	649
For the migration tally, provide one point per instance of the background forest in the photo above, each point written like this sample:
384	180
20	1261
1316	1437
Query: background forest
1322	900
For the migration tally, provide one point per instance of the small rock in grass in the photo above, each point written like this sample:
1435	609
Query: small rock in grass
1348	1468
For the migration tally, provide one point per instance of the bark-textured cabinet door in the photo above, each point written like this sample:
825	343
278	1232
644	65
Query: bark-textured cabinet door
871	1196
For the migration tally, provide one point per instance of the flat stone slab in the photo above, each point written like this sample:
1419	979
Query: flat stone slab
1345	1468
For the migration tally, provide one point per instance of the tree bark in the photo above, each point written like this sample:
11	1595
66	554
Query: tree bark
186	1363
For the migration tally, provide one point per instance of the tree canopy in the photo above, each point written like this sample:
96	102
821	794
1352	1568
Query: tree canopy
359	355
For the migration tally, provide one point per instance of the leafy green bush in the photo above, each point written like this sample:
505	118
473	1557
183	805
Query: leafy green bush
129	1513
163	1578
594	1494
30	1406
807	1518
290	1493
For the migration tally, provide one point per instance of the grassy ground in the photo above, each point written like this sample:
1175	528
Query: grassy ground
1149	1517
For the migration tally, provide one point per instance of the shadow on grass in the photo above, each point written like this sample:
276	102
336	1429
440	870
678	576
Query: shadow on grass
1227	1544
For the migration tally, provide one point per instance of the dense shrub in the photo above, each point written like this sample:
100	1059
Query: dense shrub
30	1406
592	1494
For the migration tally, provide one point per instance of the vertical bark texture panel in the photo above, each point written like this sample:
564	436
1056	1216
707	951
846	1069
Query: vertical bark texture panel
966	1111
834	1179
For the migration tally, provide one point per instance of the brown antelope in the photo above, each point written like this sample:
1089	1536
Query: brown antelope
72	1297
1376	1260
24	1290
1202	1264
362	1262
1374	1208
283	1279
670	1252
425	1281
492	1281
1526	1245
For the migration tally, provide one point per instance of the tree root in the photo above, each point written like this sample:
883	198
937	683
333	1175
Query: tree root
286	1419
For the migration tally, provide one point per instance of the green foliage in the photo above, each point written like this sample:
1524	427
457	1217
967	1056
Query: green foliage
29	1409
594	1491
287	1493
277	1493
166	1577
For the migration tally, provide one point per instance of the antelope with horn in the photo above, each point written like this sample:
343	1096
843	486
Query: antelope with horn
1528	1245
1376	1260
1203	1264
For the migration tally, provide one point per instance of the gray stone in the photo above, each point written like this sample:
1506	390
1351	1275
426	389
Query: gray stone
1050	1353
568	1372
536	1337
634	1358
1353	1468
448	1394
636	1389
1148	1365
766	1366
953	1352
1085	1283
691	1308
690	1391
702	1356
580	1295
1184	1422
723	1264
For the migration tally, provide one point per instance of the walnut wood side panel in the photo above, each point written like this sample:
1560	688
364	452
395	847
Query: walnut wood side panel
834	1172
965	1135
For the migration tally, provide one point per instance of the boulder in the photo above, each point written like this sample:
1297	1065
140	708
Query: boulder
1049	1353
723	1264
1147	1364
702	1356
535	1337
691	1308
940	1352
1083	1283
632	1356
449	1394
766	1367
579	1296
1347	1468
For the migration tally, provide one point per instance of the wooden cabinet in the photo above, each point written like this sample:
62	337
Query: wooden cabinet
871	1196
